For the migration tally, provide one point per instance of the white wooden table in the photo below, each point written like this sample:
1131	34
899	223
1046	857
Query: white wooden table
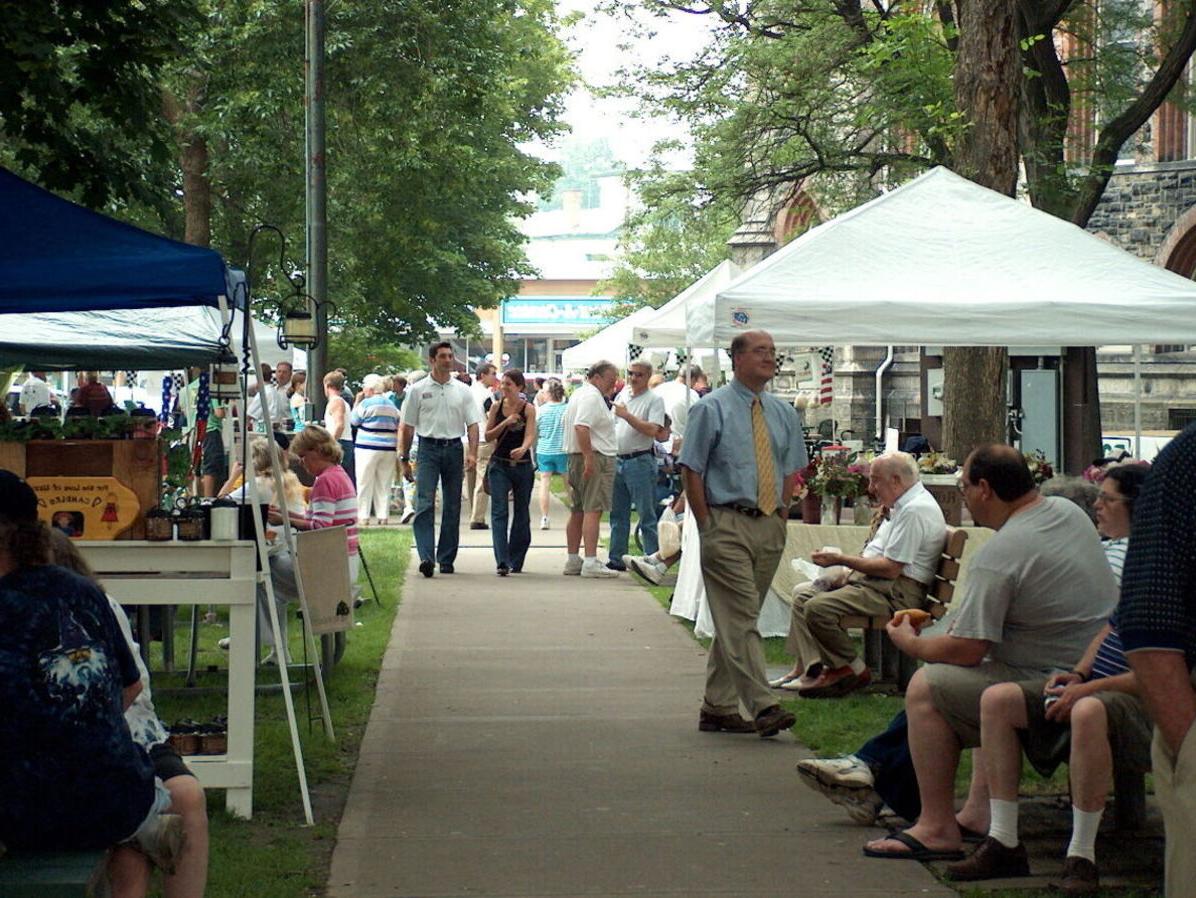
136	572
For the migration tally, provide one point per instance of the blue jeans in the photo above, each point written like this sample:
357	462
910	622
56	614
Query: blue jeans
444	464
893	769
516	480
635	484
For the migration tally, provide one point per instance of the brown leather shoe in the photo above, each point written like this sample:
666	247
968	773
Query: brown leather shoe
709	722
991	860
836	683
1079	877
772	720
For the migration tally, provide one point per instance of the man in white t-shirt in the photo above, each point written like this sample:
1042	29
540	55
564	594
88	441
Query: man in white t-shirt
677	398
35	393
896	577
640	422
589	432
441	410
274	392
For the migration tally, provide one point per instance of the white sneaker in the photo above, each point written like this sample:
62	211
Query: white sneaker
573	567
650	570
224	643
848	772
544	522
406	516
597	570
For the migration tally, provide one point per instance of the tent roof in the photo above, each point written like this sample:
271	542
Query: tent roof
610	344
688	318
56	256
942	260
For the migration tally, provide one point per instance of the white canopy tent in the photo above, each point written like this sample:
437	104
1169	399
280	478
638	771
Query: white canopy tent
945	261
610	344
688	318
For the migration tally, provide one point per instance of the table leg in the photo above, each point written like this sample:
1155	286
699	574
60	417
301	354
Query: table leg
241	692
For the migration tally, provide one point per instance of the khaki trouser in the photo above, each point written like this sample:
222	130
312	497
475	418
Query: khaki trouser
740	555
481	501
814	631
1175	789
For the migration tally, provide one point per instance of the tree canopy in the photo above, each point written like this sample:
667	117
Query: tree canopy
430	105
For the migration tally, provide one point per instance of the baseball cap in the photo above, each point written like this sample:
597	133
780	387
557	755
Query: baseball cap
18	502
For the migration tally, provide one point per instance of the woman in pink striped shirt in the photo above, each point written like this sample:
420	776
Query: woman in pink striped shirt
333	499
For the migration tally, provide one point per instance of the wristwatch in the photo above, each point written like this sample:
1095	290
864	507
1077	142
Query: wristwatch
404	458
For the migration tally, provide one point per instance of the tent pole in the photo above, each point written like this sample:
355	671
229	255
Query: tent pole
264	573
1138	401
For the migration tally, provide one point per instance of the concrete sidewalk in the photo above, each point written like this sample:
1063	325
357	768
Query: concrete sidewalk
537	735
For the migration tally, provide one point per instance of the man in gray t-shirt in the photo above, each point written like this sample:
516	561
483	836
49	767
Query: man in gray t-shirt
1036	594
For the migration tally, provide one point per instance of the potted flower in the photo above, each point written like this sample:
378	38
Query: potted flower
1040	468
840	478
803	491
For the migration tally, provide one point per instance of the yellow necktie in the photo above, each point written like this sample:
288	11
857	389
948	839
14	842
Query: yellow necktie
766	474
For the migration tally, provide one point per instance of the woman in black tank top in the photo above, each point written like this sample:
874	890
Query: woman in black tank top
511	425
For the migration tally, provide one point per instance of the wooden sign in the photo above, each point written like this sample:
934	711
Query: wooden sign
86	507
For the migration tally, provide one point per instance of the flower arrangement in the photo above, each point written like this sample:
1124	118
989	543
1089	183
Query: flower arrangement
1040	468
841	477
937	463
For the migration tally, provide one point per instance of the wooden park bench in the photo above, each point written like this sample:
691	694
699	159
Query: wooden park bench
879	653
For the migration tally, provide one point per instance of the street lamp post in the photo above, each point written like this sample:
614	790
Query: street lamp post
317	198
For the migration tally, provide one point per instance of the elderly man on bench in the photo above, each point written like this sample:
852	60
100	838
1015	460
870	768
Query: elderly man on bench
892	573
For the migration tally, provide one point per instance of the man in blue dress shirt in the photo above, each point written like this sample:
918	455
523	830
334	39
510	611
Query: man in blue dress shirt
1157	623
742	446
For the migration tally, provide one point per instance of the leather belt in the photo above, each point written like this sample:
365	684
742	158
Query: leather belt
511	461
628	455
748	510
440	441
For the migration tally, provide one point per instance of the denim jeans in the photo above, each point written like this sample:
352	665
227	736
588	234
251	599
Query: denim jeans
516	480
893	769
444	464
635	484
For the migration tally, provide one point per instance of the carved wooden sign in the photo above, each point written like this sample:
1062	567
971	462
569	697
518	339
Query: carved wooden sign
86	507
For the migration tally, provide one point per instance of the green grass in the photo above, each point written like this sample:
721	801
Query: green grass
274	855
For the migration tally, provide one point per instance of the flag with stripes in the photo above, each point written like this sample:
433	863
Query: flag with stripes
826	381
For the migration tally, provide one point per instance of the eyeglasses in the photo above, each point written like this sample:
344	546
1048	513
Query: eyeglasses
1108	498
962	485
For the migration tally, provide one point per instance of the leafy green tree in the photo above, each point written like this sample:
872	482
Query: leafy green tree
360	352
79	106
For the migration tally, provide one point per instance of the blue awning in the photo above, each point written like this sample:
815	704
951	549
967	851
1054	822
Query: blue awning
56	256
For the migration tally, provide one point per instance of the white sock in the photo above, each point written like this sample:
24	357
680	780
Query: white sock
591	559
857	666
654	558
1084	825
1003	827
574	557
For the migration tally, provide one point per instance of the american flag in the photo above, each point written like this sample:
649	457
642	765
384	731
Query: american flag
826	382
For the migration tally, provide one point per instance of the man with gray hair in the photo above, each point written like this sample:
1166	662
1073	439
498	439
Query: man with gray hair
639	423
893	572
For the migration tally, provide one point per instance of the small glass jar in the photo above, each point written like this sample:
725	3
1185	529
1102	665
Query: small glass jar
159	525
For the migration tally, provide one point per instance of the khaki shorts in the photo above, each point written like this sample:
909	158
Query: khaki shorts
1048	744
956	690
593	494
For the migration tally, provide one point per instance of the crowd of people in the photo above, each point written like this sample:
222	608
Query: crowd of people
1069	643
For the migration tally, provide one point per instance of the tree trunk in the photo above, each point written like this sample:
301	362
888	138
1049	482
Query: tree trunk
987	87
193	159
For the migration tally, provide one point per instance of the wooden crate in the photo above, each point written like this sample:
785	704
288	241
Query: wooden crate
135	463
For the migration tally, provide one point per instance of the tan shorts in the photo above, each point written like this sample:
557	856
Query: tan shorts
956	690
594	493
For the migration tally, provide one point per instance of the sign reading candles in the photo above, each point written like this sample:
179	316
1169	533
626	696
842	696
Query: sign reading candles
85	507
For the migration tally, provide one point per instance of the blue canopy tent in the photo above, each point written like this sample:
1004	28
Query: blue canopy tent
59	257
79	287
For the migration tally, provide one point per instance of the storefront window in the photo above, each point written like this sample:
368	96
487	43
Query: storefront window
536	354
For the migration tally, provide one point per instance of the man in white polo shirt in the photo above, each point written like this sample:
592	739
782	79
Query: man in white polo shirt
893	574
589	427
440	409
640	423
35	393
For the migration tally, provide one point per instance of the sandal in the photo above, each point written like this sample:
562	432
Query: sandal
917	851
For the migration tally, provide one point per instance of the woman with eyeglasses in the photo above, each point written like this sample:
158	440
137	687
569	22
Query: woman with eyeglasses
511	426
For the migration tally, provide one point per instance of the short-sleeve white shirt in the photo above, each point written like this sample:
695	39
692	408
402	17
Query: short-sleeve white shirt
916	534
647	406
440	410
34	394
588	408
674	394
